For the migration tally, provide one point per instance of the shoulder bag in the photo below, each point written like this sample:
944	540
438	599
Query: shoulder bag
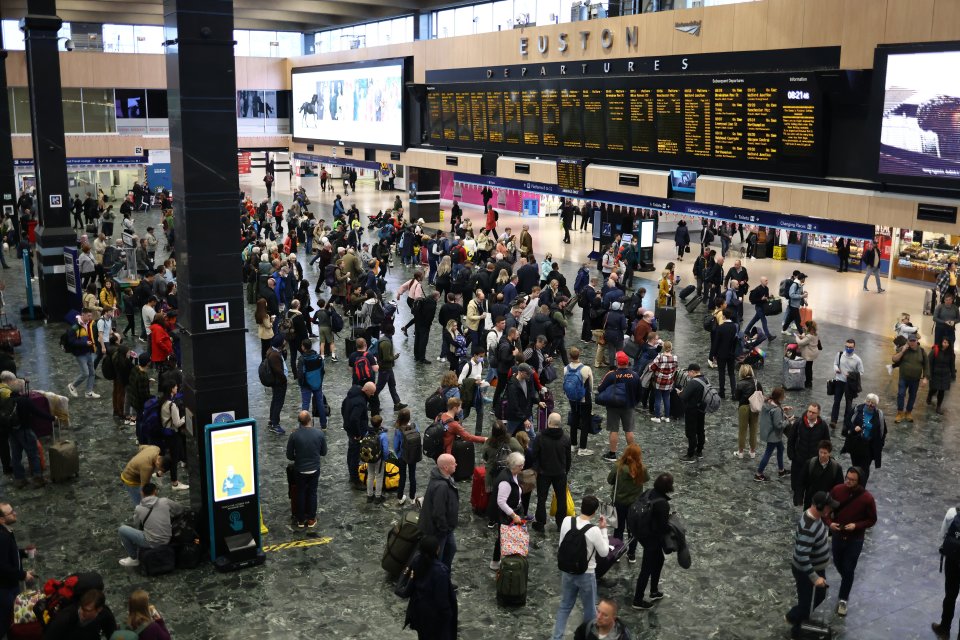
832	382
608	510
756	398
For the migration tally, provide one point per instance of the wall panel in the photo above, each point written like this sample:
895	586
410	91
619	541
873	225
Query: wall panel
809	202
718	27
750	26
909	21
822	22
864	22
946	20
842	205
785	24
709	190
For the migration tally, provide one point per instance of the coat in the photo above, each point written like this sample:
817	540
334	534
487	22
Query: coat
441	506
941	368
809	346
771	422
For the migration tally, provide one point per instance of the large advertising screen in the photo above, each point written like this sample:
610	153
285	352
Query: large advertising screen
231	457
358	104
920	120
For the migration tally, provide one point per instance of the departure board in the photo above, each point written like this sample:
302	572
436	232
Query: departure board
767	123
571	175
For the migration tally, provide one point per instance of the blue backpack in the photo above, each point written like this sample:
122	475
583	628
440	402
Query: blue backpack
148	422
582	280
313	370
573	384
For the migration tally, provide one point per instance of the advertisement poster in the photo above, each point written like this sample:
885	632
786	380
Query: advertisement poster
231	452
243	162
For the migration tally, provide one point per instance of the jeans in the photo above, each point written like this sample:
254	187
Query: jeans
650	568
385	378
846	553
908	388
134	493
448	549
307	496
584	585
805	592
661	396
951	584
24	440
407	470
758	316
693	424
559	484
278	393
319	408
771	447
875	272
132	540
87	370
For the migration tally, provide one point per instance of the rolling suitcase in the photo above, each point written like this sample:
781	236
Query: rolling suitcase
618	550
479	498
512	580
64	457
292	491
811	629
350	346
666	318
466	456
806	314
928	302
794	374
687	291
402	541
693	304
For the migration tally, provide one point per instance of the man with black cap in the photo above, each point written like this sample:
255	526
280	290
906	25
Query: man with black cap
848	523
811	554
691	397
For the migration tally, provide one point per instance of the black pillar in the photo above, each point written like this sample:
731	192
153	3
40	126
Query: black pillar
425	203
201	97
8	182
52	203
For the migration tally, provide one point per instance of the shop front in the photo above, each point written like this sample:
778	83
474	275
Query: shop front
922	255
114	175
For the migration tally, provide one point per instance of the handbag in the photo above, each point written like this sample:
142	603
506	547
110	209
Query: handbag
549	374
514	540
686	249
404	586
571	508
756	398
608	510
832	383
9	334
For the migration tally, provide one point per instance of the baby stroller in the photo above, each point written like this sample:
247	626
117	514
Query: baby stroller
749	349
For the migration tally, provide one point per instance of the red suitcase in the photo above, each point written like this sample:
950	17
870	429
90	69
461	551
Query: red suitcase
479	498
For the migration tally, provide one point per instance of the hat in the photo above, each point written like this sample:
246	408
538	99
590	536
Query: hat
693	367
802	276
622	359
822	500
615	305
144	359
277	341
913	338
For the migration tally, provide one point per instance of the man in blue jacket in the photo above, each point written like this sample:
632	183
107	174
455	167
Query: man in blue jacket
620	412
305	447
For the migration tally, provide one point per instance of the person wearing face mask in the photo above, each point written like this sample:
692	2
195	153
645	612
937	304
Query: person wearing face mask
845	363
866	436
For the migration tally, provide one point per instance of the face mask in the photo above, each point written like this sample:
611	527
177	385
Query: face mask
479	360
849	350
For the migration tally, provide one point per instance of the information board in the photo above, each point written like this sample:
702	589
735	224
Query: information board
767	123
571	175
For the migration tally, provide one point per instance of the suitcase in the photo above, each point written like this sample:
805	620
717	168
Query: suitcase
806	314
402	541
292	491
676	404
773	307
64	457
107	227
350	347
479	498
466	456
512	581
811	629
631	348
928	304
619	549
794	374
666	318
760	251
687	291
693	304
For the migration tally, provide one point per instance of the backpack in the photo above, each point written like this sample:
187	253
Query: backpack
582	280
65	338
950	548
107	369
9	416
435	405
711	399
370	449
130	634
266	373
336	320
313	369
500	461
709	323
362	372
755	296
148	422
330	275
412	446
458	282
573	385
572	555
785	287
640	516
376	315
433	439
285	328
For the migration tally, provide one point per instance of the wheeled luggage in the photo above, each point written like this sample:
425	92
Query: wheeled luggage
666	318
687	291
402	541
479	498
64	457
811	629
512	580
466	456
618	550
692	304
794	374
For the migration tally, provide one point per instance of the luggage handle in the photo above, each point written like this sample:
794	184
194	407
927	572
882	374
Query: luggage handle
57	430
813	599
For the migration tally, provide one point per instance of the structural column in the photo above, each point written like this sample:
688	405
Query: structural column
201	96
8	183
425	201
52	204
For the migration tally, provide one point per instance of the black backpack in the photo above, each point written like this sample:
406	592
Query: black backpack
330	275
65	338
412	446
640	516
433	439
107	369
785	287
500	461
755	296
572	557
951	542
266	373
9	416
376	315
370	449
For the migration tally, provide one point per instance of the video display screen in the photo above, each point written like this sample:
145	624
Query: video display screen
571	175
231	453
920	123
683	180
768	123
360	104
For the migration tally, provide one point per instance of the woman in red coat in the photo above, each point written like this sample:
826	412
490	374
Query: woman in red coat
491	224
161	346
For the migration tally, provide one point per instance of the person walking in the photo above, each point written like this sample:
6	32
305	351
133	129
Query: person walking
551	455
432	608
423	316
173	428
772	423
848	523
950	557
11	565
803	443
441	508
748	419
758	297
941	372
305	447
627	477
820	473
681	237
386	357
81	342
871	263
649	532
264	326
797	298
945	318
866	436
847	367
913	370
811	554
810	347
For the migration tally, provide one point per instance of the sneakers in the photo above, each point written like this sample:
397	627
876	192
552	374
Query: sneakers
491	524
642	605
899	417
277	429
129	562
842	608
655	419
667	420
39	481
495	565
656	595
584	452
381	499
610	456
759	477
73	390
738	455
539	527
312	522
369	499
688	459
91	394
753	454
301	525
783	472
334	358
180	486
401	501
632	558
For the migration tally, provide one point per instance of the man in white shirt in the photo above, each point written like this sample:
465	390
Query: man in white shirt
578	554
472	392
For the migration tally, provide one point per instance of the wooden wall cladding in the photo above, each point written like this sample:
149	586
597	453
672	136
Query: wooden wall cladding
607	178
540	170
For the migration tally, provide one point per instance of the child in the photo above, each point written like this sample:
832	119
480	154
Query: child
904	329
375	470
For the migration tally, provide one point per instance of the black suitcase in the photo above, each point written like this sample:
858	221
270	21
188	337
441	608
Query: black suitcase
693	304
350	347
811	629
666	318
631	348
466	456
687	291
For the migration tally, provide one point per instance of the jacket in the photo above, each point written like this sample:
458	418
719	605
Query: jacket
491	449
551	452
153	515
432	609
138	388
140	467
386	356
682	235
815	477
771	422
161	346
424	313
353	410
857	507
519	402
941	369
275	358
81	338
664	367
528	276
809	349
725	340
455	429
66	625
692	393
858	444
441	506
588	631
641	330
11	568
745	388
626	377
614	327
627	491
305	447
505	357
805	439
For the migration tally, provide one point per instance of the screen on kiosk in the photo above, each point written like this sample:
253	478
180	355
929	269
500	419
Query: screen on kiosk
920	129
231	456
360	105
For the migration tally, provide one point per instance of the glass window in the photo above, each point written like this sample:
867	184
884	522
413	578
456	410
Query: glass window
547	11
503	15
566	9
322	41
483	14
72	111
21	109
98	111
148	39
242	48
463	21
446	24
291	44
62	35
12	36
260	43
118	38
9	99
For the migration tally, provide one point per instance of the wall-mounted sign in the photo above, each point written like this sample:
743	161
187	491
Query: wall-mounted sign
223	416
692	27
56	201
217	315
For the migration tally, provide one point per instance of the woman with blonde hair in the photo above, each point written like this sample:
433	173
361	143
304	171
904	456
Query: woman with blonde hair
627	478
456	346
143	619
748	419
264	326
441	280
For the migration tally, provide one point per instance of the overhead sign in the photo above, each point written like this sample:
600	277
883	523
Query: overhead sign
342	162
83	162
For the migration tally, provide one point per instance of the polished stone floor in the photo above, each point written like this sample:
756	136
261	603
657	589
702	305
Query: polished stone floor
740	533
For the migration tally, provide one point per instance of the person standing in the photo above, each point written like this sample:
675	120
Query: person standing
620	405
432	608
627	477
551	455
871	263
913	370
941	371
843	255
809	345
407	459
566	218
772	422
681	237
945	318
305	447
441	508
268	183
605	626
694	417
278	390
649	533
581	400
310	372
811	554
664	368
725	342
820	473
356	422
848	523
803	443
866	436
11	565
507	500
82	348
748	420
577	560
950	556
844	364
423	316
